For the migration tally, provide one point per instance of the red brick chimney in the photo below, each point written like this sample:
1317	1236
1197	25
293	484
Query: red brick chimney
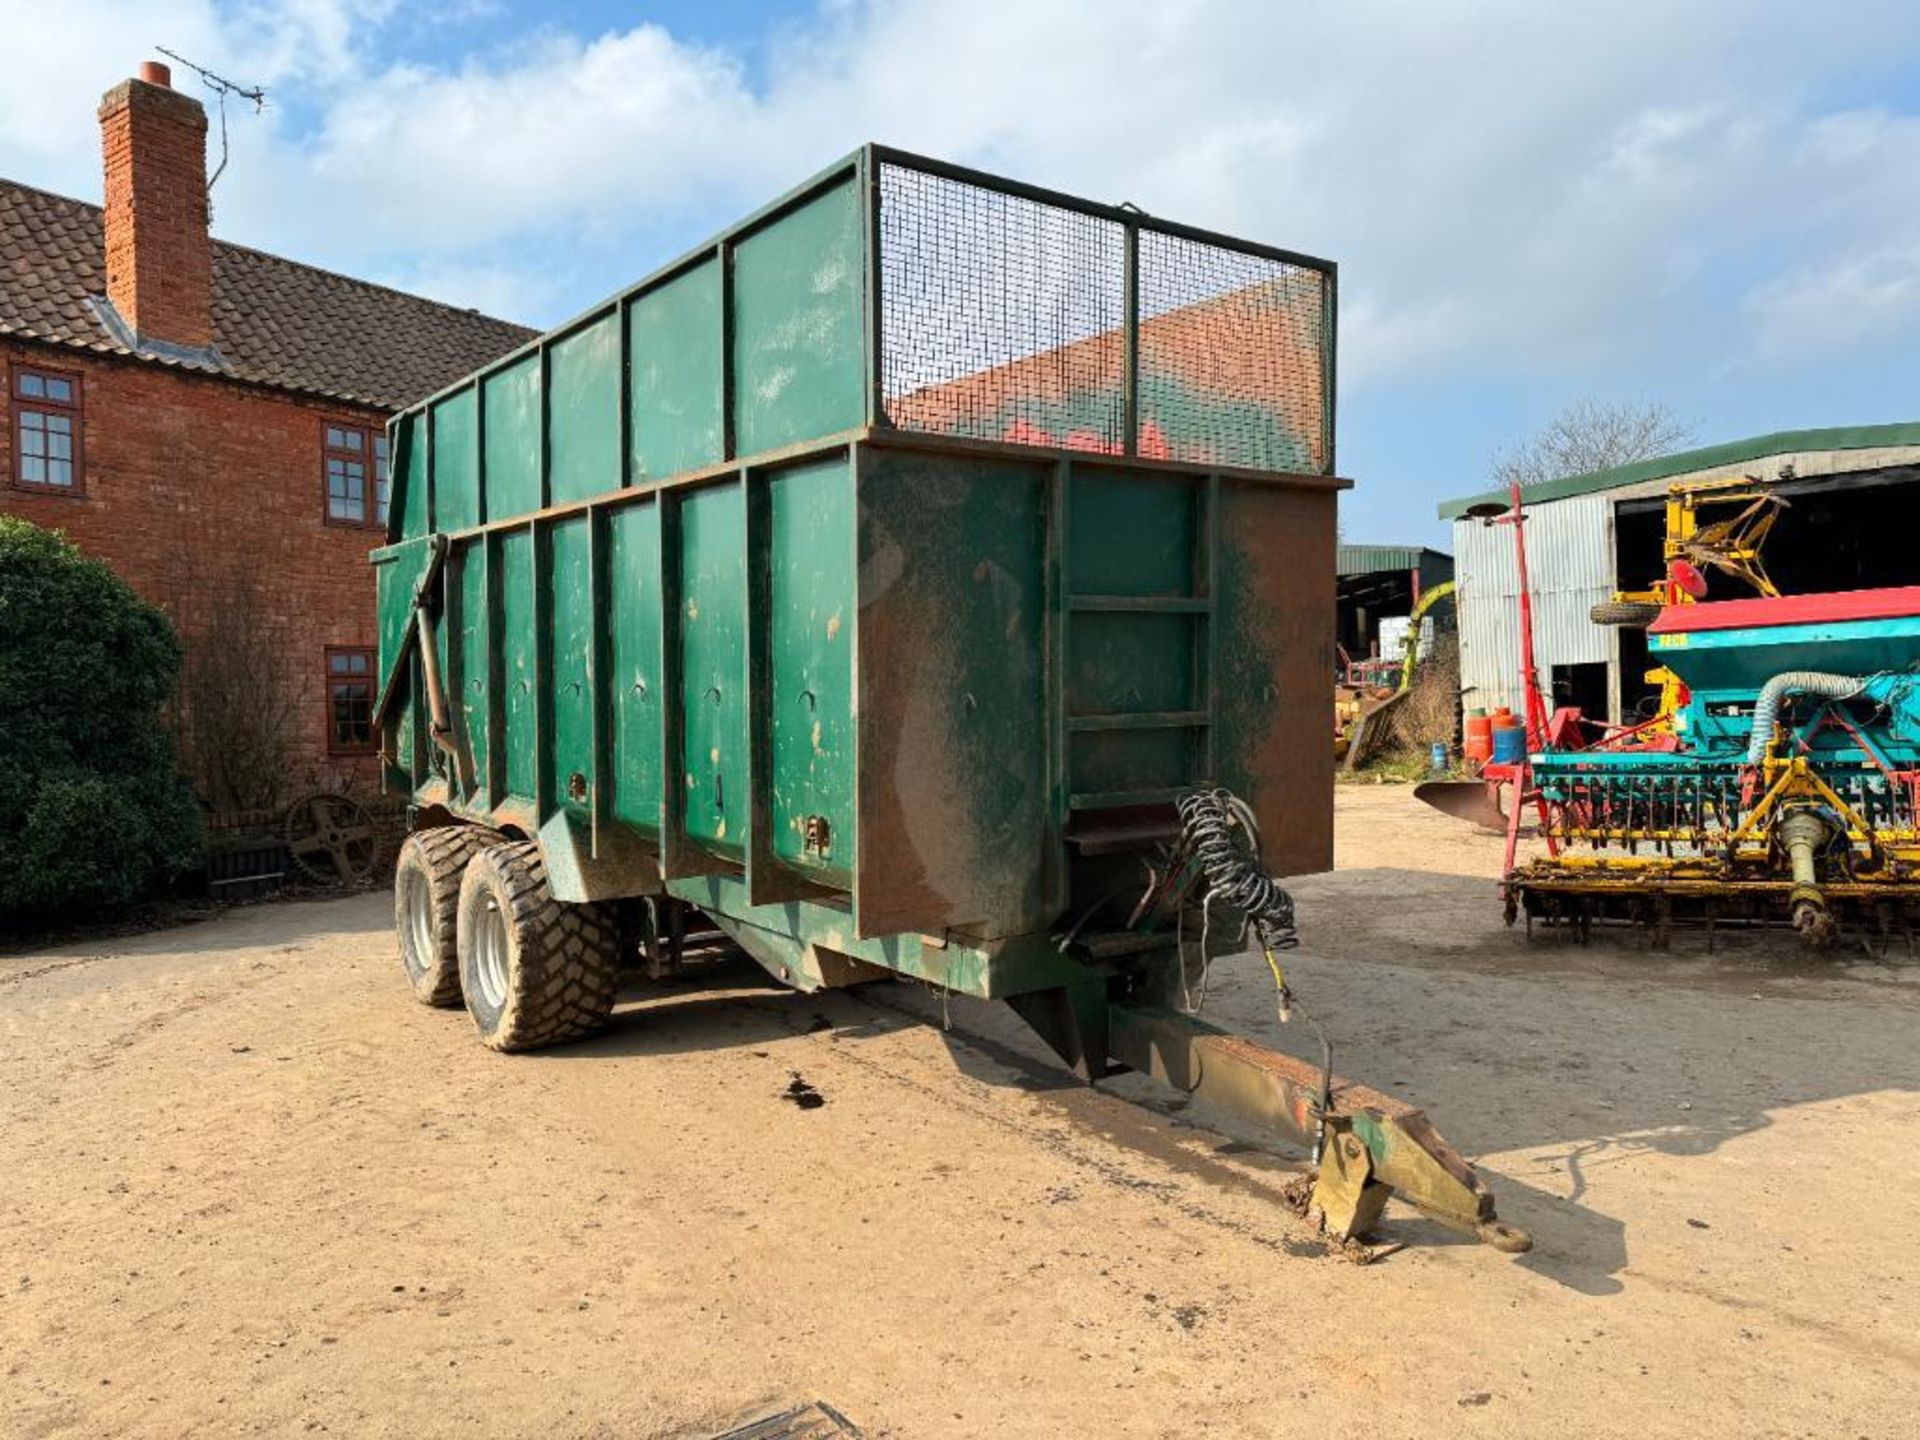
159	261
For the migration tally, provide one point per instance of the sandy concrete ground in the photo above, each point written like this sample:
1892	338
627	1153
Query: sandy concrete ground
248	1187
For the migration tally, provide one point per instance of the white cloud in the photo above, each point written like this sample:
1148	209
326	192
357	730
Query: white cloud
1509	187
1818	312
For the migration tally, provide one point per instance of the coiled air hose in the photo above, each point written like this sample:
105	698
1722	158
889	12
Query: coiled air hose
1766	709
1219	834
1218	830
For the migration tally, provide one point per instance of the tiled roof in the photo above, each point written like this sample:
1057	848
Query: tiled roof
275	322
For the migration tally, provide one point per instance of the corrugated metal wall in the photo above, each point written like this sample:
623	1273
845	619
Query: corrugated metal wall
1570	564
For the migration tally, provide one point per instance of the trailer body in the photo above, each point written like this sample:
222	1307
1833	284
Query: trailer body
872	580
749	591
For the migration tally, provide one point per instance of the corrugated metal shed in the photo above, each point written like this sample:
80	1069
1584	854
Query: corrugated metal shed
1805	448
1371	559
1571	550
1570	563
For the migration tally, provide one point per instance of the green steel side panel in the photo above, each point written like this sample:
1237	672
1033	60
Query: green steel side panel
1127	663
1135	535
400	430
1275	651
471	703
632	618
568	733
444	643
1111	761
397	572
675	343
956	826
413	501
811	600
456	462
410	726
1132	533
512	400
799	343
1031	962
583	412
712	624
517	706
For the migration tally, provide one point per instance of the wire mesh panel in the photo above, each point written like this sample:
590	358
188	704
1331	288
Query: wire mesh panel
1002	318
1233	357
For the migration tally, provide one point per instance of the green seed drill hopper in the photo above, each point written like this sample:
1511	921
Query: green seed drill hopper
869	583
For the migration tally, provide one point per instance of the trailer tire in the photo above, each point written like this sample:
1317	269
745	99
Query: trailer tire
535	972
1634	614
426	906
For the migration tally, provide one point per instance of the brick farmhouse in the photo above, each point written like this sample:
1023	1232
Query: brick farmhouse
208	420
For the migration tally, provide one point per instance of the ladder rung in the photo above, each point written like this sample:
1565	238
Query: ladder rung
1114	799
1149	604
1141	720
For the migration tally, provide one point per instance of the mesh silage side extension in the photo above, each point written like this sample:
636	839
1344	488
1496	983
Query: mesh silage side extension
1001	317
1004	318
1232	357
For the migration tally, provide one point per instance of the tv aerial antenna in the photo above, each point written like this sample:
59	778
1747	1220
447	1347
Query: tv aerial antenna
222	87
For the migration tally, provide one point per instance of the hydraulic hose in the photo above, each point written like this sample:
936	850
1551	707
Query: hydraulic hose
1766	709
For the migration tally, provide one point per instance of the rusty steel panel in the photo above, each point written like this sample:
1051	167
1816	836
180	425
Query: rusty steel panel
1275	654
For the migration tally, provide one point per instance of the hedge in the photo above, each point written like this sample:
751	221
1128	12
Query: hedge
93	809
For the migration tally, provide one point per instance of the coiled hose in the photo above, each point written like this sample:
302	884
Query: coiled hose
1219	834
1209	820
1766	709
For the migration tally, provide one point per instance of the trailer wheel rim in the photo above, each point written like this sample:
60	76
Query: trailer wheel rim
490	954
418	937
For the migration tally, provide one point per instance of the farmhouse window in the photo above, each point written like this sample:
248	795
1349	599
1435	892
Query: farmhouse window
349	700
354	458
46	430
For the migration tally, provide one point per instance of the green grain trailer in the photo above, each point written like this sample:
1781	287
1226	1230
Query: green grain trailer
870	581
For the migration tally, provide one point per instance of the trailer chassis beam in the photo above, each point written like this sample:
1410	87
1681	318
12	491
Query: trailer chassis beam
1368	1146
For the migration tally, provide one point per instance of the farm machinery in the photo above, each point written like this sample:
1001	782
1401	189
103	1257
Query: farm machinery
1779	781
1369	691
1789	792
1690	550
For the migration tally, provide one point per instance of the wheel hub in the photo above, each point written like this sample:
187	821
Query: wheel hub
490	954
417	901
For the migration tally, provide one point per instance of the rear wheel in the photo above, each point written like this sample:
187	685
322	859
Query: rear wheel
534	971
426	902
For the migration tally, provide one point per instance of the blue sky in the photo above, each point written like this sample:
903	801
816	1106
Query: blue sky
1711	204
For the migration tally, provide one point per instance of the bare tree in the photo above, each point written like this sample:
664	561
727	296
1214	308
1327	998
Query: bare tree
239	708
1593	435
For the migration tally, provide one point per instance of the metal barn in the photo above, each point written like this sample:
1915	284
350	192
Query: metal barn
1854	506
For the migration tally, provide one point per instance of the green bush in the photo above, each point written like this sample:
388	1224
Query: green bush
93	809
